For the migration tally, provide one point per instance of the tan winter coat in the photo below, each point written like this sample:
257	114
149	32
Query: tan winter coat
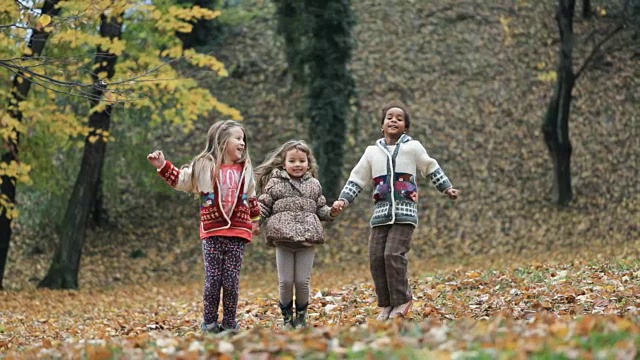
293	209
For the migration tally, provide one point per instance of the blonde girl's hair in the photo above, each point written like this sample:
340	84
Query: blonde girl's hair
276	158
208	162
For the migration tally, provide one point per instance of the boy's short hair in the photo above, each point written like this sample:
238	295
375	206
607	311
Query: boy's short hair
396	104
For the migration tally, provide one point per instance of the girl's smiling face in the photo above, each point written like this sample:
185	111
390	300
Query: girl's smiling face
394	124
296	163
235	145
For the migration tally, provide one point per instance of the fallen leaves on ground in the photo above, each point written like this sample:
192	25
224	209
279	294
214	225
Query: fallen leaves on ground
579	310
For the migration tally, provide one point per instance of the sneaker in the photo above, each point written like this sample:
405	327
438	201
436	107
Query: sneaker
384	314
401	310
210	328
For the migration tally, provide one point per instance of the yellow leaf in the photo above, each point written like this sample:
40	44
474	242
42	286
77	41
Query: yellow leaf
44	20
548	76
473	274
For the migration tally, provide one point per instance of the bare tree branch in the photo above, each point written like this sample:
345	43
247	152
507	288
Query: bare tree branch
596	49
14	26
77	88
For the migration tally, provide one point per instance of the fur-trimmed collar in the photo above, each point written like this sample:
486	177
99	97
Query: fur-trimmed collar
283	174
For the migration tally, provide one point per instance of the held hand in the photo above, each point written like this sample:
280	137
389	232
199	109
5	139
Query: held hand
337	207
156	159
256	228
334	212
452	193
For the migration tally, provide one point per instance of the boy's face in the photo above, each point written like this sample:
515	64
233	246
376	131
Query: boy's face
394	122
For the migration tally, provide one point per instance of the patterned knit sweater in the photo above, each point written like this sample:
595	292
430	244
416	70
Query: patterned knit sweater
212	217
393	175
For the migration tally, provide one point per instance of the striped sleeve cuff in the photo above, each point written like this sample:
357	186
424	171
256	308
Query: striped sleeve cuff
439	180
350	192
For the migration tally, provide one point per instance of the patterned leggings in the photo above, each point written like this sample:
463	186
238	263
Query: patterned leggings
222	263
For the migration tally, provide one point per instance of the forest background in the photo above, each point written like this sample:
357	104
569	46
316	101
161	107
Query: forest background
477	77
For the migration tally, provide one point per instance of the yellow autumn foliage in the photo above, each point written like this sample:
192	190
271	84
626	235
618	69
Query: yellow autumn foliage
204	60
17	170
9	7
144	79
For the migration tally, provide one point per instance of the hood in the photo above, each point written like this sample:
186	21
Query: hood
283	174
403	139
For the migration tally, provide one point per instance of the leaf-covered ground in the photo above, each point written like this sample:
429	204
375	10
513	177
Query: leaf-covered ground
471	73
581	309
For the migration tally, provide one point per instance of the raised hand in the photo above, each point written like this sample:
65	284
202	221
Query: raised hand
156	159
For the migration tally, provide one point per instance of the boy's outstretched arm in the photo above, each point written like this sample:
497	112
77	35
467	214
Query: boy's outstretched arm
452	193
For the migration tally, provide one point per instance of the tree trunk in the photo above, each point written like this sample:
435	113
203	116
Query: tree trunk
330	86
555	127
65	265
290	22
204	32
586	9
98	216
19	91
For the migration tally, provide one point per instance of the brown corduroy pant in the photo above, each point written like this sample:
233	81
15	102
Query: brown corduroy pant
388	260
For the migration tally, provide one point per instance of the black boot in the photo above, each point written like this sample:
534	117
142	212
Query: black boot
287	315
301	316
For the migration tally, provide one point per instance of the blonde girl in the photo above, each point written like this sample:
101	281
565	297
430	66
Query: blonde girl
229	213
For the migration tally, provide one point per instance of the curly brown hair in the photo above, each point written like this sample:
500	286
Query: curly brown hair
276	158
396	104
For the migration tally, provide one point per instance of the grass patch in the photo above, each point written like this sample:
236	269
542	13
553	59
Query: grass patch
599	340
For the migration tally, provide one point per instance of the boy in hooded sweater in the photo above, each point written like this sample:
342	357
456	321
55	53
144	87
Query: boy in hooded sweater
391	165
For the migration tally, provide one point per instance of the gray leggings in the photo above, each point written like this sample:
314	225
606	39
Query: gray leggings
294	269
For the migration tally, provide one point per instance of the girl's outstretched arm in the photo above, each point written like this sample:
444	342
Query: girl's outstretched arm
324	212
179	179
